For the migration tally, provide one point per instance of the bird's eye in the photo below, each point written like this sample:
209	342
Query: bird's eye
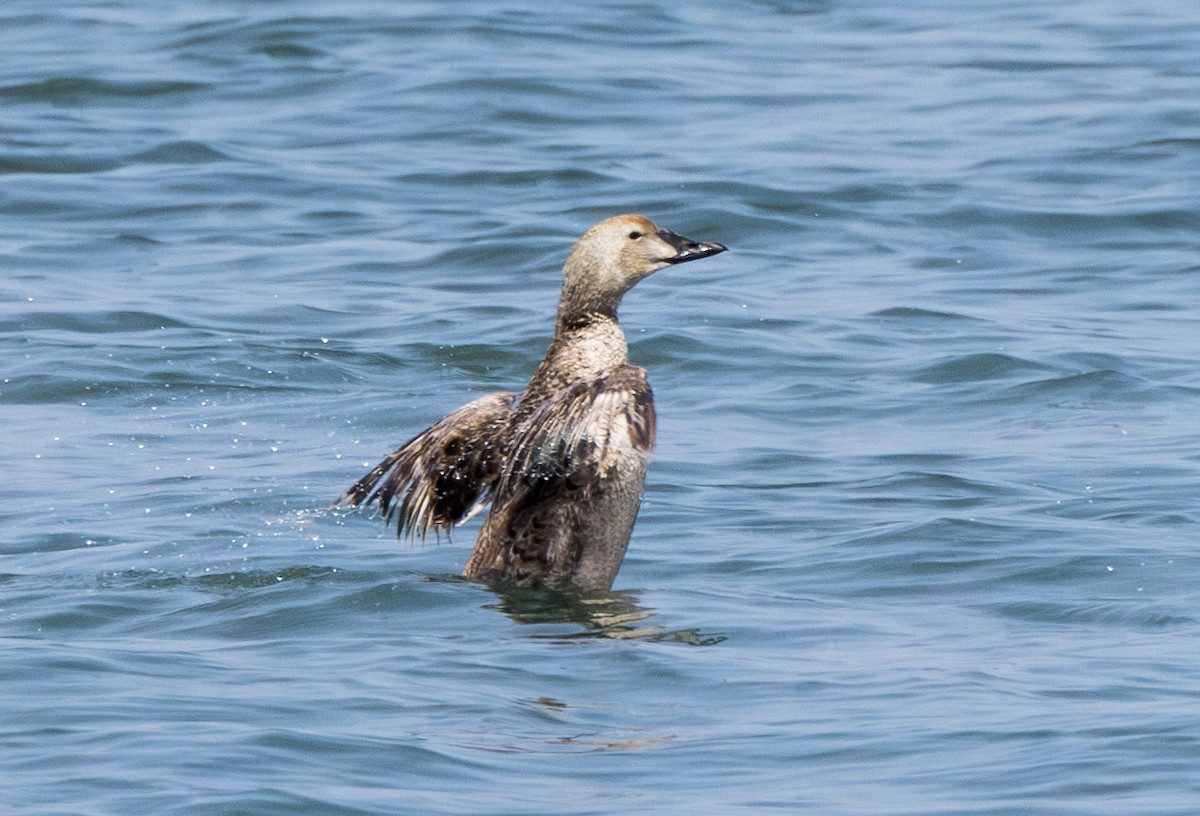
633	236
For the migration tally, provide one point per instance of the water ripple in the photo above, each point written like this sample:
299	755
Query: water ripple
79	91
925	477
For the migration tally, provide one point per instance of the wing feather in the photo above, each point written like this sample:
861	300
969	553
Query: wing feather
559	456
569	440
443	474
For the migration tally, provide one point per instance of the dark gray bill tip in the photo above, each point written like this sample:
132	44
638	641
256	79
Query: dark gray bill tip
688	250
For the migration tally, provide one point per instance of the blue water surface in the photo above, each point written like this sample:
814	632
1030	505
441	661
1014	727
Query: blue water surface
920	533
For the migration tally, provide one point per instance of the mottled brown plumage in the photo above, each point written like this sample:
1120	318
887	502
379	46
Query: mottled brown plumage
564	469
443	474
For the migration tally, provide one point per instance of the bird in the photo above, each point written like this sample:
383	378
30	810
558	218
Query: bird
563	465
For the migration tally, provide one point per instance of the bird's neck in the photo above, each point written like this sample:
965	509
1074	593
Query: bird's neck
585	346
574	321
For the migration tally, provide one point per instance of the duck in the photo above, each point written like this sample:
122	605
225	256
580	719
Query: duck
563	466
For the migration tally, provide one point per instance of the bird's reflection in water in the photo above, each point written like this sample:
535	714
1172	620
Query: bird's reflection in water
611	614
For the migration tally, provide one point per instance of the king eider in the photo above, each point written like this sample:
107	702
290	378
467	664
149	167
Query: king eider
564	466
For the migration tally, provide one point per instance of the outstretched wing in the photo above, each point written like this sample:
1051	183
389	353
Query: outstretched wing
576	435
439	477
592	434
